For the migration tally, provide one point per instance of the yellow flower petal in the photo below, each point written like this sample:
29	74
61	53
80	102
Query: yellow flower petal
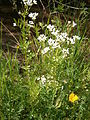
73	97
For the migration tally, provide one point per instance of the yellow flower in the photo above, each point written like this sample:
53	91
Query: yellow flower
17	46
73	97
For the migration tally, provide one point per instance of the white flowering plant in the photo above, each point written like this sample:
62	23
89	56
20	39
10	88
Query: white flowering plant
50	81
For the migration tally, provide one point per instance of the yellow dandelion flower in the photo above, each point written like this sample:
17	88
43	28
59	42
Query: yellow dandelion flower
17	46
73	97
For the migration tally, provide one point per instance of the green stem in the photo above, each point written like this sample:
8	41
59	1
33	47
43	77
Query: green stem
1	36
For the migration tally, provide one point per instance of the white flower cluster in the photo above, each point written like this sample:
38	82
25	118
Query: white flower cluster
43	79
62	37
29	2
42	37
59	38
33	15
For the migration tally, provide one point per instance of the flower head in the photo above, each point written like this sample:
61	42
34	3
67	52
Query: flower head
51	41
76	37
50	27
74	24
31	24
45	50
29	2
14	24
33	15
34	2
42	37
43	79
73	97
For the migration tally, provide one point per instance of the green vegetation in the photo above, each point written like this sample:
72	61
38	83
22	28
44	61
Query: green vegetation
47	77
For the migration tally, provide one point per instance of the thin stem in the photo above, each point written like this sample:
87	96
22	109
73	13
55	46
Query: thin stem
9	32
71	6
42	5
1	36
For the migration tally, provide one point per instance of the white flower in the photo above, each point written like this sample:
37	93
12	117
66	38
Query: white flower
76	37
56	45
59	38
64	35
72	41
74	24
69	22
29	3
50	27
62	87
65	52
45	50
51	41
14	24
19	12
30	15
43	79
34	2
31	24
38	78
54	32
42	37
33	15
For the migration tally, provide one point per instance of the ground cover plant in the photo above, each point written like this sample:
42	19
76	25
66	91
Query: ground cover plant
51	80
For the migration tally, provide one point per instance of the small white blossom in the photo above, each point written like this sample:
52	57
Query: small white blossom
42	37
29	2
50	27
45	50
65	52
19	12
69	22
74	24
64	35
56	45
43	79
76	37
14	24
72	40
51	41
33	15
38	78
59	38
54	32
62	87
34	2
31	24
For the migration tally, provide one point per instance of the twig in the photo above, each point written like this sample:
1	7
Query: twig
71	6
42	5
10	32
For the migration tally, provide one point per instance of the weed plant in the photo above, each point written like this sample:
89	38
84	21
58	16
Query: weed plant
51	82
